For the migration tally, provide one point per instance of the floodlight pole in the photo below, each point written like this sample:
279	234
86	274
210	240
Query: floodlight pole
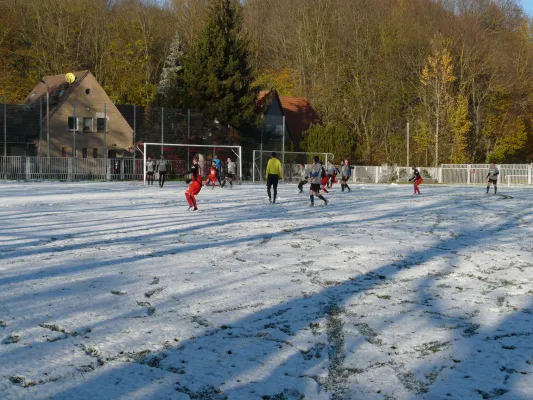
283	144
74	134
5	137
47	122
188	134
134	138
47	118
407	143
105	141
162	127
261	156
144	165
40	129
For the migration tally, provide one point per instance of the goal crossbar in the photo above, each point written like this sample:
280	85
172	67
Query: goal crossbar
211	146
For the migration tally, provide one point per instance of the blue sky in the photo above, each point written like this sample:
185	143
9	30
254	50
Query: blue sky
528	6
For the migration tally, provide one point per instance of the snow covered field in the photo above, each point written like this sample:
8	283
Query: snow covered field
115	291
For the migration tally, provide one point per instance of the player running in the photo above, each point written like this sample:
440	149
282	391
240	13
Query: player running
304	173
417	179
493	177
315	179
232	167
325	179
273	173
345	175
195	184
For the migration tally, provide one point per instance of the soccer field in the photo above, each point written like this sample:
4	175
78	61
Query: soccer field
116	291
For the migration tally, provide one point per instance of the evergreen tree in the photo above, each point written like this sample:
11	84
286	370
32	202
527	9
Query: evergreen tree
218	75
171	88
333	138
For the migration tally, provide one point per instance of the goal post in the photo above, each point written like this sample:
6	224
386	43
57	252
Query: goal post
292	160
226	149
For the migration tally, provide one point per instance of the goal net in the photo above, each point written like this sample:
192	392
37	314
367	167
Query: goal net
290	161
180	157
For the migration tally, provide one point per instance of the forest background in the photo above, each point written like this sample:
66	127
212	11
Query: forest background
460	72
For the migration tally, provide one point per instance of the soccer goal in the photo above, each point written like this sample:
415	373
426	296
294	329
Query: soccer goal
180	156
290	160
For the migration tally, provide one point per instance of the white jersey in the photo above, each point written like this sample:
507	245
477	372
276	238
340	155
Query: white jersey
232	167
317	169
150	166
330	169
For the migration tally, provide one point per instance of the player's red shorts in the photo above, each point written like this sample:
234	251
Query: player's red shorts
324	181
194	188
418	181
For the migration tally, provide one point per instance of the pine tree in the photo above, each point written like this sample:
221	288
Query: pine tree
218	75
171	91
334	138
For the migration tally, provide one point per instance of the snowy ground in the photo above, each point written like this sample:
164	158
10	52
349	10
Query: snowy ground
115	291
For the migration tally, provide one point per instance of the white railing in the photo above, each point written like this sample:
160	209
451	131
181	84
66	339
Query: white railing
459	174
72	169
476	174
77	169
392	174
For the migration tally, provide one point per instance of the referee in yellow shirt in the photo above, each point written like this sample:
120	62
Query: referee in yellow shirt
274	173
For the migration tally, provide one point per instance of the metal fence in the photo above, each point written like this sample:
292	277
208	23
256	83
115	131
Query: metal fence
392	174
78	169
476	174
459	174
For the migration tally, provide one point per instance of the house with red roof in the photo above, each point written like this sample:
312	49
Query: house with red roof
298	113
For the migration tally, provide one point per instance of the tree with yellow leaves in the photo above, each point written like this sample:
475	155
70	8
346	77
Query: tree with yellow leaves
459	127
437	77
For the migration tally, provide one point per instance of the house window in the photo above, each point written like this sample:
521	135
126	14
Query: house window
71	124
95	153
100	124
63	152
87	124
84	153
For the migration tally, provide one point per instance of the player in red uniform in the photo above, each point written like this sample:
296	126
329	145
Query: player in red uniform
325	180
195	184
213	175
417	179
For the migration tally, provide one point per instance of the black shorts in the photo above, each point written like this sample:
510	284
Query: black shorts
272	180
345	178
493	181
149	173
229	175
315	187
